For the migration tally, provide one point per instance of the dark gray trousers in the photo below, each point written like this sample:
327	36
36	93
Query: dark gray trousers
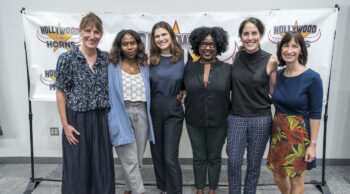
167	117
88	167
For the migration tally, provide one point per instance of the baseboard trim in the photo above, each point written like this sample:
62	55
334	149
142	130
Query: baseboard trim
146	161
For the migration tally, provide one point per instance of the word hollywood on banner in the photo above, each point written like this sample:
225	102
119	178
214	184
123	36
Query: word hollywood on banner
58	32
58	37
310	32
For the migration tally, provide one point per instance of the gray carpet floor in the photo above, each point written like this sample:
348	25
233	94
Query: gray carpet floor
15	177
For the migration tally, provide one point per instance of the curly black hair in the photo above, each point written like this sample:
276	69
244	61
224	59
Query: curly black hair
219	35
116	53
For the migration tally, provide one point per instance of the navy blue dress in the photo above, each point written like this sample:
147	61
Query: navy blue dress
297	100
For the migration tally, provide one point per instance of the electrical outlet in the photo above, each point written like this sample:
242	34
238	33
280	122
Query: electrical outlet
54	131
0	131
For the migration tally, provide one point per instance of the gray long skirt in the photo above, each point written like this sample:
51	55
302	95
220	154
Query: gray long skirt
88	167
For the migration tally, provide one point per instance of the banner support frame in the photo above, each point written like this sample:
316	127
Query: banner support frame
323	187
34	182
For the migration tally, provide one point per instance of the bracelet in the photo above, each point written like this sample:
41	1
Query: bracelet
313	142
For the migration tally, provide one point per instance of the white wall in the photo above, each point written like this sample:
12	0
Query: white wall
13	79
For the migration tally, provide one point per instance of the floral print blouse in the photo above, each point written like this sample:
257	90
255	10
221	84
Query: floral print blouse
86	89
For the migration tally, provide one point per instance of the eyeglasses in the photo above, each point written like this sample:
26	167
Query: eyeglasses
205	44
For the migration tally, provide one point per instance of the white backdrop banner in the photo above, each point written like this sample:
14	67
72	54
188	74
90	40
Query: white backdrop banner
48	34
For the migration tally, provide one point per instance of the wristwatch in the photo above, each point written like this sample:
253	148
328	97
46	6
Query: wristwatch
313	142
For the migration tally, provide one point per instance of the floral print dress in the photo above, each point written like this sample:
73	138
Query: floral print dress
297	99
288	145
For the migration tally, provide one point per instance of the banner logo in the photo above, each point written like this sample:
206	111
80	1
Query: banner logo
310	32
57	37
48	78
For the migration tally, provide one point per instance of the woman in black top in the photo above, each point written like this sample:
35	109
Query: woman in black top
249	124
207	84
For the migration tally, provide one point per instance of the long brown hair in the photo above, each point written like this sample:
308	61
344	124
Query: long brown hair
175	47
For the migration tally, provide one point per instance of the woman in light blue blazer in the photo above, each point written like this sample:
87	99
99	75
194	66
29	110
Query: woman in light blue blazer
129	119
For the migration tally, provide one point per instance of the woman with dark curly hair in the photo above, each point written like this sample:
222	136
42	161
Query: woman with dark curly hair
249	124
129	119
298	102
166	71
207	84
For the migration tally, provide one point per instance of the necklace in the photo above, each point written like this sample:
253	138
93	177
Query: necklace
131	68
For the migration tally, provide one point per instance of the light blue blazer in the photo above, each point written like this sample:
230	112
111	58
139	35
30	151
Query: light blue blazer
120	130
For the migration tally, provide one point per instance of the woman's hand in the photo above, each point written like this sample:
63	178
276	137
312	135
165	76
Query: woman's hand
179	96
69	131
310	153
311	150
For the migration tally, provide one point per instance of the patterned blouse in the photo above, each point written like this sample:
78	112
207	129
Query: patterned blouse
85	89
133	87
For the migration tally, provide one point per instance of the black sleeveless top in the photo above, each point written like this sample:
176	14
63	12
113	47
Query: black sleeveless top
250	84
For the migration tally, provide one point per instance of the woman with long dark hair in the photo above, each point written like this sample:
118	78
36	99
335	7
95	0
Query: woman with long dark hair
129	119
167	63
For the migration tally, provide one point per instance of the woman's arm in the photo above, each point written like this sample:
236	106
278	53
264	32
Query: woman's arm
315	95
271	70
311	150
68	129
